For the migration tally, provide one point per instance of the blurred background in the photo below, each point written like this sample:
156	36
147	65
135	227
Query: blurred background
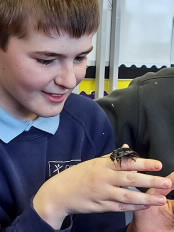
135	37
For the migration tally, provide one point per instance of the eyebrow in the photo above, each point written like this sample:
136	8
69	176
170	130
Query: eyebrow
54	54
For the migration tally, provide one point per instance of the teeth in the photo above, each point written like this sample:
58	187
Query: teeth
55	95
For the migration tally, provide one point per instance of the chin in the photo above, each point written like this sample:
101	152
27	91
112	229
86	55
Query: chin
49	110
50	113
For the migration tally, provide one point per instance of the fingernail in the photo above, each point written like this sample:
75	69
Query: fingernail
158	165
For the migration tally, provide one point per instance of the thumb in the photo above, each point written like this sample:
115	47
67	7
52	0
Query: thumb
166	191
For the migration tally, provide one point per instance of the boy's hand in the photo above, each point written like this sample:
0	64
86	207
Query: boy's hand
97	186
156	218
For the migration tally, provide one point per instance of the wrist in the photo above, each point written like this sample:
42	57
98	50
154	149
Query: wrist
51	214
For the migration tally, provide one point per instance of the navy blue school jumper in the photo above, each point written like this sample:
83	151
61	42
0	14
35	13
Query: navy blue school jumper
34	156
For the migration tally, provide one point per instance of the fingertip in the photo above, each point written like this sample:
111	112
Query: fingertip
168	183
158	165
125	145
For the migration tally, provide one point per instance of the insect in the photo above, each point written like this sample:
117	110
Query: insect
122	153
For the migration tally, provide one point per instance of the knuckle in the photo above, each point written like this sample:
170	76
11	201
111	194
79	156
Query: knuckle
127	197
131	179
121	207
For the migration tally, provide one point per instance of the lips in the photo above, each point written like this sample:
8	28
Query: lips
54	97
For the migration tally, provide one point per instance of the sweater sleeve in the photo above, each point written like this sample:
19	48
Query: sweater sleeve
30	221
121	106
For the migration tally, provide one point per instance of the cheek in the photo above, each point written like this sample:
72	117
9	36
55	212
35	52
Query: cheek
81	72
31	77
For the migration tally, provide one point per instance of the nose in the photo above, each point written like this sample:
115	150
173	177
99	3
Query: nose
66	76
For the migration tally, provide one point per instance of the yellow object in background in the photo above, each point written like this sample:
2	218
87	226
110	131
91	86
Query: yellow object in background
88	85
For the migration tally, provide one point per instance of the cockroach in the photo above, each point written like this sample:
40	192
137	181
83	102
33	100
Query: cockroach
123	153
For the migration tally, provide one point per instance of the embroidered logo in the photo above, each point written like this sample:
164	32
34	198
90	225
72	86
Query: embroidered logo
56	167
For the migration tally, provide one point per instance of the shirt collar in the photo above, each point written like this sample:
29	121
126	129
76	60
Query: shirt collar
12	127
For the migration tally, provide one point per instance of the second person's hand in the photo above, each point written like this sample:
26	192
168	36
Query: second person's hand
155	218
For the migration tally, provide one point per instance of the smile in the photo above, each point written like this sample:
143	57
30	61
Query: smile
56	95
55	98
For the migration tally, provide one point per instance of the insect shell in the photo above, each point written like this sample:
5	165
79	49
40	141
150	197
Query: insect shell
122	153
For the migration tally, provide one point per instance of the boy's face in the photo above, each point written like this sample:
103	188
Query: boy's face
38	73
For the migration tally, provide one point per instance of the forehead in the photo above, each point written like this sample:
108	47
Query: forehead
38	41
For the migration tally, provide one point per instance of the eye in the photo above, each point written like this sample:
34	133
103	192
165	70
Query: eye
45	62
80	58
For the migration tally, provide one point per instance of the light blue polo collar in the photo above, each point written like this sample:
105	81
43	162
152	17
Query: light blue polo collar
11	127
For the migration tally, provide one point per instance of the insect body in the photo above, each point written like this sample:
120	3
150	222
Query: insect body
122	153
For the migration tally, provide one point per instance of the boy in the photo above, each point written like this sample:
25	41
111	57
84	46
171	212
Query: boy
46	132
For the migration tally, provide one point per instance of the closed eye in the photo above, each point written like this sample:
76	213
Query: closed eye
44	61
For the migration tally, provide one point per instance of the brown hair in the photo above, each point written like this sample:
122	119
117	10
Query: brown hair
75	17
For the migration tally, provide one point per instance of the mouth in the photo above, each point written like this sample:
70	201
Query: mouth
55	97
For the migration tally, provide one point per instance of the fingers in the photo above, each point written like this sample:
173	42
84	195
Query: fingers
171	177
137	164
134	179
126	175
127	196
112	206
132	164
164	191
